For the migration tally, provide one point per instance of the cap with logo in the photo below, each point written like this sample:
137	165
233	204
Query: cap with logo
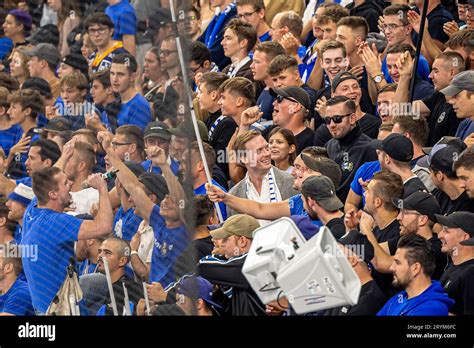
197	288
443	154
459	219
157	129
45	51
296	93
322	190
422	202
396	146
237	225
156	184
464	81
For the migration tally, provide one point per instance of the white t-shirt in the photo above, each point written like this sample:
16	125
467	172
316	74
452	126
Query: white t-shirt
83	201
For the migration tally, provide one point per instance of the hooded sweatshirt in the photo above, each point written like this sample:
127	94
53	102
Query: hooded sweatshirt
431	302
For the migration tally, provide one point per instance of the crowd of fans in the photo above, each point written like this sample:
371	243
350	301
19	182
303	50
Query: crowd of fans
302	109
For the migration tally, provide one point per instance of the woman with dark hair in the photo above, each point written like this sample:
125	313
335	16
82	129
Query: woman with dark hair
282	148
69	17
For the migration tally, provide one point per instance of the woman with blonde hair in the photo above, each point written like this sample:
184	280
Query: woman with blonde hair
19	65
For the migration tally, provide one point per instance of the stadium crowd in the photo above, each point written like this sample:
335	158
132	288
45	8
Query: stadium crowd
136	166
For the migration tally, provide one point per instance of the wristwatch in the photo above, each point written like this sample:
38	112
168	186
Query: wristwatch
134	252
378	78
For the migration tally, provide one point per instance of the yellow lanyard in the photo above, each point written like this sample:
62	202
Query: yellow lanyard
98	58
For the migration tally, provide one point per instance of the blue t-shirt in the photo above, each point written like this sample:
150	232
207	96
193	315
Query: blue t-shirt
126	223
136	111
124	18
17	168
201	190
423	70
6	45
17	300
465	128
265	101
297	208
167	246
9	137
157	170
52	235
365	172
265	37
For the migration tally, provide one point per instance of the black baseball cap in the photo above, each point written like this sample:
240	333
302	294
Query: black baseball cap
459	219
442	155
157	20
58	124
341	77
325	166
422	202
157	129
156	184
40	85
136	168
397	146
77	61
296	93
322	190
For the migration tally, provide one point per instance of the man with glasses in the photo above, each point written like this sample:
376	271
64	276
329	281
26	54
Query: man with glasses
169	59
100	28
349	147
128	143
253	12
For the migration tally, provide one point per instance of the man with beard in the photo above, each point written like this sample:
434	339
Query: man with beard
347	85
54	233
412	268
349	147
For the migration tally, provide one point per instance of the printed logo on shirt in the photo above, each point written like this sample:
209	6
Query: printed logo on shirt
347	166
164	247
442	117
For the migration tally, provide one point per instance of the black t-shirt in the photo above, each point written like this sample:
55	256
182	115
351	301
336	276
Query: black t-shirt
389	234
196	250
413	185
441	258
442	119
458	282
337	227
303	140
448	206
369	125
370	10
371	300
134	290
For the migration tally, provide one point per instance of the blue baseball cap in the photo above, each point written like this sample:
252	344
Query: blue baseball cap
197	288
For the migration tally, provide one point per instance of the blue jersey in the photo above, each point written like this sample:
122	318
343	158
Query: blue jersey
106	62
126	223
52	236
201	190
17	300
124	18
174	165
6	46
365	172
9	137
167	246
17	168
136	111
423	70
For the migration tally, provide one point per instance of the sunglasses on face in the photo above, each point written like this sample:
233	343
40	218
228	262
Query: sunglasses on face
280	98
336	119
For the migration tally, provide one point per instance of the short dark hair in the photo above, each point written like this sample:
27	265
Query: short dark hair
241	86
99	18
340	99
244	31
391	87
203	209
290	139
103	77
465	160
388	185
418	250
7	81
293	22
133	134
401	48
333	14
257	4
12	255
454	58
399	10
281	63
418	128
356	23
128	60
213	80
48	150
43	182
4	210
333	45
200	53
209	153
28	98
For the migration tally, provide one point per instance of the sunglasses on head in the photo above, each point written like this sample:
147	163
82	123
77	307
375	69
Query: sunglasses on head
279	99
336	119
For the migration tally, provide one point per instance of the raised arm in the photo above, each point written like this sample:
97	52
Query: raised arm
266	211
